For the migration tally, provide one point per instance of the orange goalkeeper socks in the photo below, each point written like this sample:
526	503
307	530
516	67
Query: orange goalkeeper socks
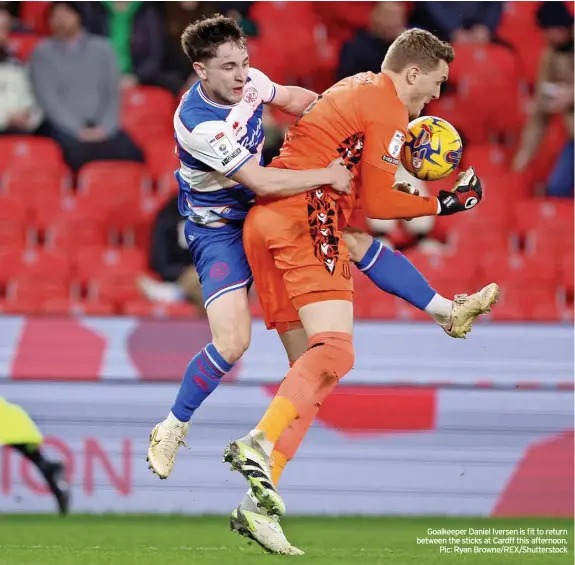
314	375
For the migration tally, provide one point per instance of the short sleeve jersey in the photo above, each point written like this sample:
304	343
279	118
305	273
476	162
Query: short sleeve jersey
213	142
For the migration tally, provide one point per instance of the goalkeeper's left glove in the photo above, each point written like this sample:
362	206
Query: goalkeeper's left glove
466	194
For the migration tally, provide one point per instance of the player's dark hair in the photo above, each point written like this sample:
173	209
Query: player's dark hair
200	40
417	47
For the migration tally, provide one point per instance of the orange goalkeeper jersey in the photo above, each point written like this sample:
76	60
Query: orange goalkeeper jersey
362	120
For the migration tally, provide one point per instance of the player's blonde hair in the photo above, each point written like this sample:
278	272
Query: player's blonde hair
417	47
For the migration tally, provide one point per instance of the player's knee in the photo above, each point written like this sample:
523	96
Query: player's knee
232	346
338	359
358	242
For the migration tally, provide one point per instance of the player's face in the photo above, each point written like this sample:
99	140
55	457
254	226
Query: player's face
225	75
426	87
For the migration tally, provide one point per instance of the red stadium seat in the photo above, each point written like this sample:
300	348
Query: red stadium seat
552	312
17	306
519	302
114	288
341	22
160	156
27	152
462	265
485	157
462	239
481	219
518	22
377	306
42	264
66	306
103	263
72	234
483	73
34	290
39	188
145	308
566	268
12	222
166	182
546	216
520	269
555	243
111	186
35	16
148	113
22	45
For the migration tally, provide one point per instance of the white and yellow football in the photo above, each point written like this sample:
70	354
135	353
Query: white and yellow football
432	148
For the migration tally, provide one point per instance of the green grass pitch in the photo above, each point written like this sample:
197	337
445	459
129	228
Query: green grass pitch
179	540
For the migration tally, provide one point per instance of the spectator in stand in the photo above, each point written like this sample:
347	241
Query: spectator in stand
77	83
554	95
177	16
366	50
459	22
171	260
19	111
137	35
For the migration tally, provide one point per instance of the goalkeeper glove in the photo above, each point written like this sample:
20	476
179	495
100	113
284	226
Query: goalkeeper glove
466	194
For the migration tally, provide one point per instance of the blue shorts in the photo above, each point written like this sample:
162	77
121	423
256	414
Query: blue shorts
219	257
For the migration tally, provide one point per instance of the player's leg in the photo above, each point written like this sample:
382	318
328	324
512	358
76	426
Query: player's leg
19	431
225	275
249	519
295	343
315	272
393	273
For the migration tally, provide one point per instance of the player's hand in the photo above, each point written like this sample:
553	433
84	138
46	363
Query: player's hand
405	187
466	194
341	177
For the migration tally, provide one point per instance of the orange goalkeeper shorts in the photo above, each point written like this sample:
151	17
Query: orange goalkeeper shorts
297	256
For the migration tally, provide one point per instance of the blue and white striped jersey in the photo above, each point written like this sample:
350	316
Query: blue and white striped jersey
213	142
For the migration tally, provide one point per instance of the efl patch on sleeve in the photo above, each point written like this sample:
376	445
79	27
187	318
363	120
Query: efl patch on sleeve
396	144
221	144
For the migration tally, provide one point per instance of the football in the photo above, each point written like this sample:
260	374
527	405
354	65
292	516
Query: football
432	149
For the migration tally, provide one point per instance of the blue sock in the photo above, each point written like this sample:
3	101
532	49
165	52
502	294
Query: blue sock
203	375
392	272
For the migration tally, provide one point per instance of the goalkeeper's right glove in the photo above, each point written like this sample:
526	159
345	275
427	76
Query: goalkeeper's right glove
466	194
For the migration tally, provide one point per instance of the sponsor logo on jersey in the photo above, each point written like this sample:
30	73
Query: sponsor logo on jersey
391	160
231	157
396	143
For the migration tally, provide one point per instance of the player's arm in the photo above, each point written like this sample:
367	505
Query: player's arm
378	167
214	144
271	182
292	100
379	199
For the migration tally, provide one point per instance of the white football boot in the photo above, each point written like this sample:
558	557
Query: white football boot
165	441
252	523
467	308
247	456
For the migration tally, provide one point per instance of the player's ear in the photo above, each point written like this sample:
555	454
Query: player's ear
200	70
412	74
